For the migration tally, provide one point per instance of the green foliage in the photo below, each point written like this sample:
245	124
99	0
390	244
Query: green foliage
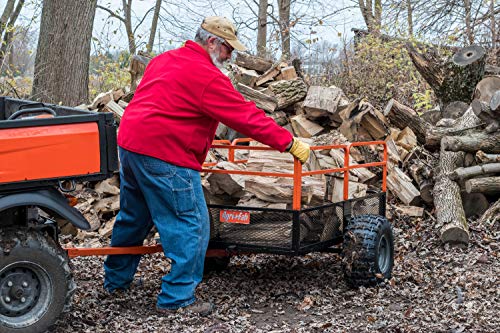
379	70
108	71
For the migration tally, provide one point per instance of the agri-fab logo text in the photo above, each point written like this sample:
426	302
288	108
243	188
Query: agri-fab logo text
234	216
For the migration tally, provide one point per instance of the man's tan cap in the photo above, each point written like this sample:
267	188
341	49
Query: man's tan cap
222	27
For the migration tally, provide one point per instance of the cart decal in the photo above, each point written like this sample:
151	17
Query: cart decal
234	216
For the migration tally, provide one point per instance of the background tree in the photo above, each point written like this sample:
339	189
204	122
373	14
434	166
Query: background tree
372	14
7	22
63	51
262	29
154	25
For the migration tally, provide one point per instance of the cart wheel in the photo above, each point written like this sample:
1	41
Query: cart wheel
368	250
36	284
216	264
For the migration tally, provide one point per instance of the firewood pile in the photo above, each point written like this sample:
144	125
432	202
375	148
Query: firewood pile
443	164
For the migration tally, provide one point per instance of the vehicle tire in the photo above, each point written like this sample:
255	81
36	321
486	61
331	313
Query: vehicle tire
368	250
216	264
36	284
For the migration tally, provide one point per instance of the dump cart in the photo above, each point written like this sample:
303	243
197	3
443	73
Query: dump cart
44	146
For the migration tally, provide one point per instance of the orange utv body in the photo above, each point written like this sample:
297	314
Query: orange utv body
42	152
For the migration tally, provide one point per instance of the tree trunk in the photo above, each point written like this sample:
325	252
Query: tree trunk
486	185
154	25
127	9
451	79
63	51
409	11
7	11
5	41
262	29
284	15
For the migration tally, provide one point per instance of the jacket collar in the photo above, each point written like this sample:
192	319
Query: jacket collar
198	49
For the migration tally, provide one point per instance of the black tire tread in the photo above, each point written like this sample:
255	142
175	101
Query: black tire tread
359	257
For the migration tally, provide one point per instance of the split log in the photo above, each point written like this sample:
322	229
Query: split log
262	101
245	76
107	205
489	143
487	158
370	119
287	73
409	210
252	62
363	174
401	186
106	187
355	189
288	92
487	185
451	79
448	202
303	127
114	108
402	116
407	139
322	102
232	184
474	171
101	100
138	64
270	74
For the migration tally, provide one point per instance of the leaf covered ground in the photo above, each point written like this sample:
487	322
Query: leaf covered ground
435	288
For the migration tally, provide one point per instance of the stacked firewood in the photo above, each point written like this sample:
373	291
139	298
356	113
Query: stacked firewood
448	160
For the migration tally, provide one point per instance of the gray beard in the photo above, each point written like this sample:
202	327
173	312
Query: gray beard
215	60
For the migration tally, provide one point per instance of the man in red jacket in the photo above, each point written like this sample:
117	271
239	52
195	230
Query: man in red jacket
163	140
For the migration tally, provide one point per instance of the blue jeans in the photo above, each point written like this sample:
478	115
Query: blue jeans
170	197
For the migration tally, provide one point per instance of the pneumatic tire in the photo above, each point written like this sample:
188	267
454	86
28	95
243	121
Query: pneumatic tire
368	250
36	284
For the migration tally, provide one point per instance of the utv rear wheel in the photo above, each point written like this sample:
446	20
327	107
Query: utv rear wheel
368	250
35	281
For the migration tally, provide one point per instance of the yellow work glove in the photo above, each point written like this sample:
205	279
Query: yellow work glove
300	150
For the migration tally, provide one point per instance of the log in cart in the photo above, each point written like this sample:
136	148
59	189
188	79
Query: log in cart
45	147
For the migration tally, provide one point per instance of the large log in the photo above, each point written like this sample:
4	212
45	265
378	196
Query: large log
486	185
486	88
452	79
489	143
448	202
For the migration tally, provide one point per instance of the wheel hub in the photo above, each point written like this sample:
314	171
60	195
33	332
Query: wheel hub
383	254
19	291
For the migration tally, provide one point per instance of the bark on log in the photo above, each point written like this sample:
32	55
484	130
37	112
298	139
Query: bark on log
486	185
422	175
448	202
487	158
451	79
474	171
402	116
489	143
288	92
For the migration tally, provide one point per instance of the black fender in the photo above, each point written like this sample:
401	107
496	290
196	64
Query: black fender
48	199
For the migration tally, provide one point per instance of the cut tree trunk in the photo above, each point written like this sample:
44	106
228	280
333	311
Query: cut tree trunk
474	171
487	185
448	202
451	79
489	143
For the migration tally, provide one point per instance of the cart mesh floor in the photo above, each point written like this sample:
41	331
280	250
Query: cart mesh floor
277	229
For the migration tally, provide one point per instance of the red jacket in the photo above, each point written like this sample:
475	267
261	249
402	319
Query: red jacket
178	105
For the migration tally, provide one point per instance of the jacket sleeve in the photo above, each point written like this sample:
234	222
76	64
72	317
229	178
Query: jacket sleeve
224	103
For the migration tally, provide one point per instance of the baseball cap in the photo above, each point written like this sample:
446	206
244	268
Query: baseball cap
223	28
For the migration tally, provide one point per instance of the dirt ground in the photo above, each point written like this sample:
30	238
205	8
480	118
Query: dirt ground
435	288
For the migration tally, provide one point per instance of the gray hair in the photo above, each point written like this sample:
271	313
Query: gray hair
202	37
